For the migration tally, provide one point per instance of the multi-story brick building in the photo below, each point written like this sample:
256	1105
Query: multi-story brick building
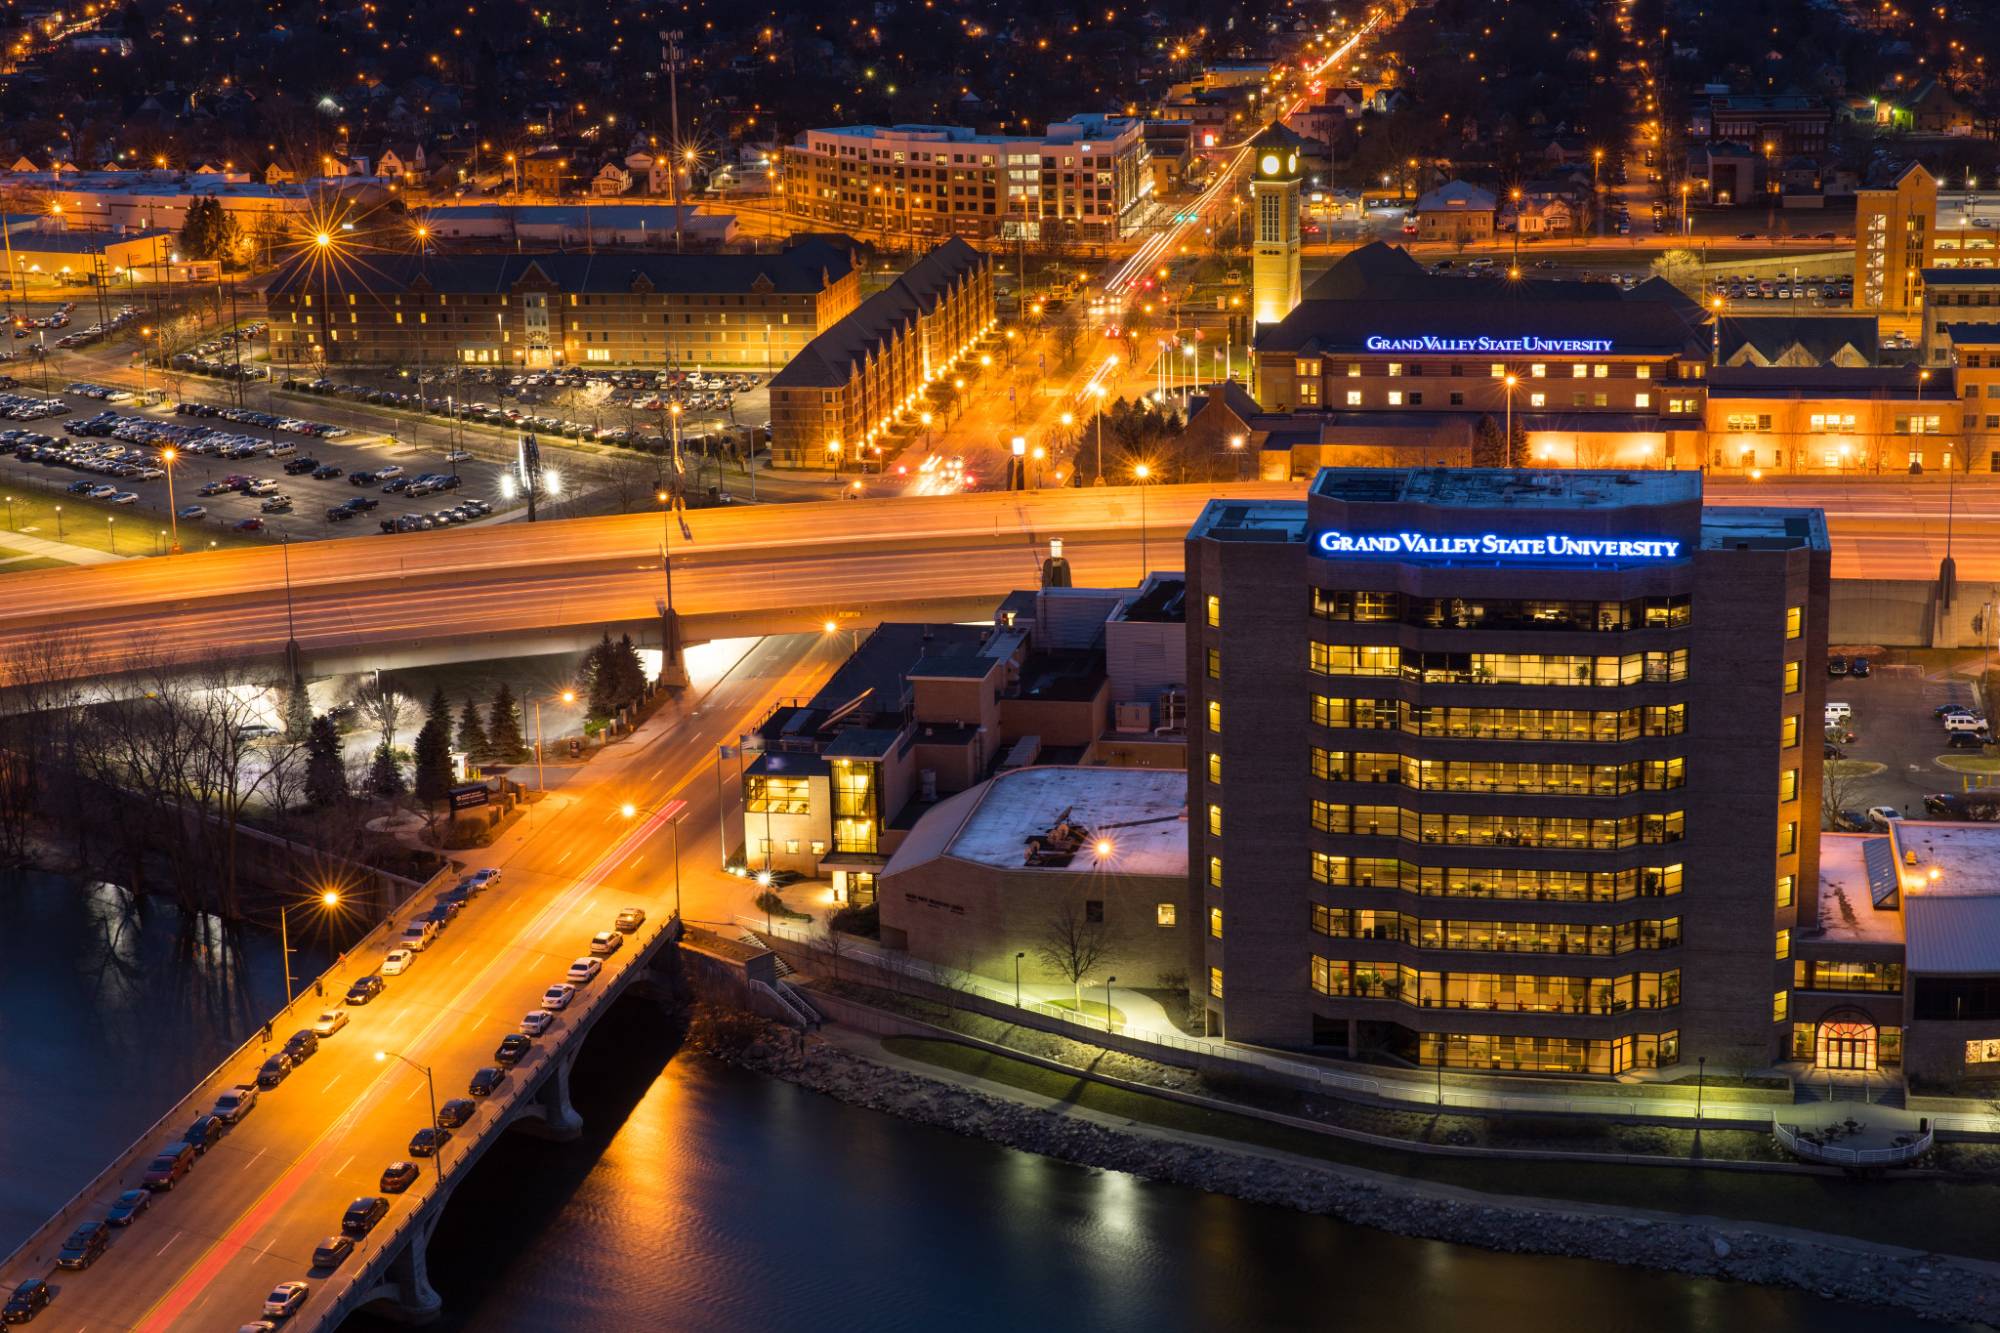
1834	420
541	310
1080	181
1504	770
835	398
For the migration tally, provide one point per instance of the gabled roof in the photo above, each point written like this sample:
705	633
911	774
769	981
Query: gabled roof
828	361
804	269
1820	337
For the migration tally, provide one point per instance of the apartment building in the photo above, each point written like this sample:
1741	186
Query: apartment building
1080	181
1504	770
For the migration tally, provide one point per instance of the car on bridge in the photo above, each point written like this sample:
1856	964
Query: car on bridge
397	961
302	1045
536	1021
429	1140
606	942
483	879
362	1215
168	1166
366	988
286	1298
512	1050
84	1246
329	1022
206	1131
584	970
487	1081
557	997
630	919
274	1071
127	1207
236	1103
332	1252
456	1112
398	1176
26	1301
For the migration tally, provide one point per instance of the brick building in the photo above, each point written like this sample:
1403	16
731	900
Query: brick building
835	398
1505	770
541	310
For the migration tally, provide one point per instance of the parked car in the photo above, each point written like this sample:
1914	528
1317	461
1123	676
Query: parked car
191	513
557	997
84	1245
236	1103
584	970
396	962
456	1112
537	1021
125	1209
487	1081
26	1301
365	989
274	1070
205	1133
332	1252
429	1140
329	1022
285	1299
302	1045
513	1048
606	942
168	1166
1857	666
1966	740
398	1176
362	1215
630	919
1836	666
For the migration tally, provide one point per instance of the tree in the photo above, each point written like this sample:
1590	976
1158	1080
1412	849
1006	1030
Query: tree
472	734
198	231
1073	946
385	708
601	679
1682	268
503	727
298	712
326	769
385	776
433	754
1488	449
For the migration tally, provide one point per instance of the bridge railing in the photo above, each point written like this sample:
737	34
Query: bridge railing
182	1112
365	1275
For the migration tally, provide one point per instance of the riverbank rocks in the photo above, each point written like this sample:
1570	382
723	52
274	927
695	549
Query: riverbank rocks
1934	1286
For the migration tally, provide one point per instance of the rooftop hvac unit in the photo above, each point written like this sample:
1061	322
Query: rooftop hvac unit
1173	710
1134	717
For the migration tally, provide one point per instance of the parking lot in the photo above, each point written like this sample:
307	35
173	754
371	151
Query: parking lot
1895	726
240	448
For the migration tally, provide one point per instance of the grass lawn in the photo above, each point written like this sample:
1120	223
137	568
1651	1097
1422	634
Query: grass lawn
1959	1217
1852	768
1091	1009
1969	763
83	523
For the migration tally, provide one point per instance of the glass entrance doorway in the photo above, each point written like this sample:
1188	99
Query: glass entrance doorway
1846	1045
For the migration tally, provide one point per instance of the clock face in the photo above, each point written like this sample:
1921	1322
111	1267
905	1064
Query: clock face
1270	164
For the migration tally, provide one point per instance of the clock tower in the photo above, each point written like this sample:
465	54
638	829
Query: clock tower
1275	174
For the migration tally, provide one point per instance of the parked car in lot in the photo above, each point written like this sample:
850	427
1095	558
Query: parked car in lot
302	1045
236	1103
1857	666
1966	740
362	1215
84	1245
125	1209
366	988
398	1176
191	513
332	1252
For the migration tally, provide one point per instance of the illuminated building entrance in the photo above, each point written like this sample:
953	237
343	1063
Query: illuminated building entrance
1845	1044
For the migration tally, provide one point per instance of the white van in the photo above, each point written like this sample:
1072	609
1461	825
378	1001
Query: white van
1964	722
1836	714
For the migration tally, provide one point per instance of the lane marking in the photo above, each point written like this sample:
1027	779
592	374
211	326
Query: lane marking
169	1245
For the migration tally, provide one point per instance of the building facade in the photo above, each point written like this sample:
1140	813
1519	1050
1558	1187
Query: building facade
1275	179
1080	181
1504	770
537	311
1834	420
843	390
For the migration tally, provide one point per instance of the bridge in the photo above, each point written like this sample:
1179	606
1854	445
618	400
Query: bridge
250	1212
509	588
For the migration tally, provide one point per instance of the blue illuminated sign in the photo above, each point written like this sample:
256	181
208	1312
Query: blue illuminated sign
1498	346
1546	546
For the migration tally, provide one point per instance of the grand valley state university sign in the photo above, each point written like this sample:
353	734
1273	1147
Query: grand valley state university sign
1493	545
1519	346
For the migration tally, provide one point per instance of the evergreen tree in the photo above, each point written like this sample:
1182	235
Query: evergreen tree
472	734
503	727
1488	450
601	674
631	671
433	753
326	770
385	777
298	712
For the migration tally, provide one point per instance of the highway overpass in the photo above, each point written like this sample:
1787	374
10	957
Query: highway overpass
507	588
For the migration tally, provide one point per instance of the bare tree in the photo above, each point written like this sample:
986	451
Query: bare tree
1838	790
833	943
1073	946
386	709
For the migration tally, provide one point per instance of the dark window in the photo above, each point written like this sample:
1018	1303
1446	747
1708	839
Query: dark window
1093	909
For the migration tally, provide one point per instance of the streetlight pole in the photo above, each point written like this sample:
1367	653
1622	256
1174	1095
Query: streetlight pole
1142	472
1507	445
568	697
329	900
1017	977
1107	1002
167	457
437	1149
1700	1085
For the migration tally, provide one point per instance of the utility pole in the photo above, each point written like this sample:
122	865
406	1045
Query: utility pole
672	56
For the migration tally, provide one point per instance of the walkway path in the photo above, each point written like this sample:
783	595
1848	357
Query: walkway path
24	545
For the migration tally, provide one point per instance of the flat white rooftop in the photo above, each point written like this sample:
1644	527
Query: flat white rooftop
1951	895
1847	911
1140	812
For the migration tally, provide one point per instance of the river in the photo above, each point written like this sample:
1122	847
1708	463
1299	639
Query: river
704	1198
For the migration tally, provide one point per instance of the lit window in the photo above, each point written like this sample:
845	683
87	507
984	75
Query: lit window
1214	821
1215	717
1215	767
1642	400
1795	617
1539	370
1215	982
1536	400
1215	664
1395	397
1791	678
1781	1006
1788	785
1786	885
1354	397
1788	732
1164	914
1788	837
1215	872
1784	945
1215	922
1578	371
1215	610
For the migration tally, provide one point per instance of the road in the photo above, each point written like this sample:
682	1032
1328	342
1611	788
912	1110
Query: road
250	1213
812	560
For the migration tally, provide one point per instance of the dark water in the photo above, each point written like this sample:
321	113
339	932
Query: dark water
702	1198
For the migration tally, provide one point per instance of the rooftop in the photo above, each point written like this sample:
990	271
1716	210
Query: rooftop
1724	527
1951	896
802	269
1251	521
1141	813
1847	910
1507	488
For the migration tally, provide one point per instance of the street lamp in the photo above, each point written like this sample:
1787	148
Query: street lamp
1107	1002
59	527
1097	390
1507	445
629	810
437	1149
1141	473
328	900
1018	956
167	457
567	697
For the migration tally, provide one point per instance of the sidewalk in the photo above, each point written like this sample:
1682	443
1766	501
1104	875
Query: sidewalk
47	548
